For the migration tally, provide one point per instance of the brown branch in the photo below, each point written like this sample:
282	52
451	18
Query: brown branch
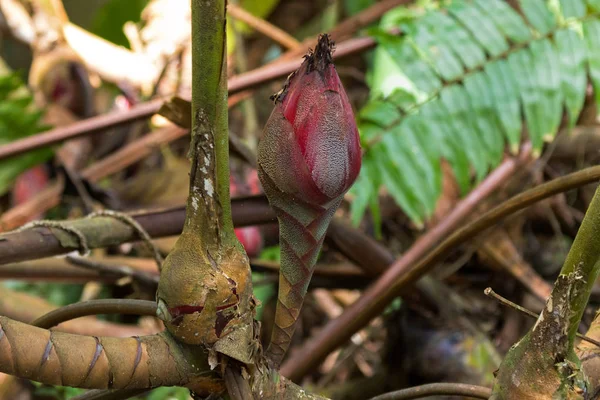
372	257
52	270
132	153
236	84
26	308
501	252
42	242
345	29
39	204
438	389
77	129
98	394
148	279
266	28
107	270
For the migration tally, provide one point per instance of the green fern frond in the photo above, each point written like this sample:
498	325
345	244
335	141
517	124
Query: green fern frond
463	82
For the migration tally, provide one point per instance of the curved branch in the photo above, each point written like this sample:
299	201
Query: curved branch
26	308
438	389
94	307
57	358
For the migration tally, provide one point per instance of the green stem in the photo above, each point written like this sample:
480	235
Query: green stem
584	260
208	207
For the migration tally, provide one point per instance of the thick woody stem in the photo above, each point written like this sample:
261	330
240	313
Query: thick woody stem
56	358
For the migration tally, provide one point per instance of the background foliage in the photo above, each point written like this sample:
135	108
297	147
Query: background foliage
463	81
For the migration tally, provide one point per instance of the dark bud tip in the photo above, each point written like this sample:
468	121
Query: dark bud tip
321	57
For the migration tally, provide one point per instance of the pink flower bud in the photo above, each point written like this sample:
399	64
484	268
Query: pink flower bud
311	147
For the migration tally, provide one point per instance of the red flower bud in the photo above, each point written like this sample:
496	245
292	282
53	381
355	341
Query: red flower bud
308	158
311	147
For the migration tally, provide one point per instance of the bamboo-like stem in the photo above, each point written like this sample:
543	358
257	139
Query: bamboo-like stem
57	358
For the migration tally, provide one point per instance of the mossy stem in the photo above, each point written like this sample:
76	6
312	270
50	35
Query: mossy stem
584	260
208	208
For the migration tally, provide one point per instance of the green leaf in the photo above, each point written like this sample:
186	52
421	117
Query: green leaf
364	189
539	15
505	94
523	67
571	47
436	52
457	110
488	36
505	19
592	38
594	4
485	119
464	82
169	393
462	43
572	8
546	69
112	16
435	119
355	6
389	168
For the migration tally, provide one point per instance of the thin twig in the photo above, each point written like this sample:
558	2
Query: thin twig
77	129
266	28
132	153
504	301
43	201
490	292
119	270
438	389
94	307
